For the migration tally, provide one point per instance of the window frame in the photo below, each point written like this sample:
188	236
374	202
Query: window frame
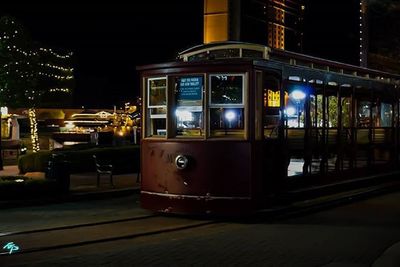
244	88
173	106
147	115
206	106
148	91
243	105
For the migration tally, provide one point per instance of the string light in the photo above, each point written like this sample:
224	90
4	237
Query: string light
59	77
57	67
55	54
65	90
34	130
25	62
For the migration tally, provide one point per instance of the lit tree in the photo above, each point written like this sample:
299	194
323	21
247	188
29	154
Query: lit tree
18	82
31	76
18	78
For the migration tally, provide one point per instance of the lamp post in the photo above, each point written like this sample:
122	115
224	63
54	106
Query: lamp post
298	96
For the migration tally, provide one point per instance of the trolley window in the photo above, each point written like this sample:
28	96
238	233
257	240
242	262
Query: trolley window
189	106
332	105
346	112
386	116
272	105
295	101
156	107
227	118
363	116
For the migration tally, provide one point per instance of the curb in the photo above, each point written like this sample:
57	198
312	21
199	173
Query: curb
390	257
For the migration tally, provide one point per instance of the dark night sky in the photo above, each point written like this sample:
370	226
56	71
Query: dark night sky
331	30
110	40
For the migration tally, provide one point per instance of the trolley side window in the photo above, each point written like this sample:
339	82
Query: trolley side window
227	116
346	112
363	116
272	105
189	106
386	115
295	99
156	107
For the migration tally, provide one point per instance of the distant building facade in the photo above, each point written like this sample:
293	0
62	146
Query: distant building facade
331	29
337	30
276	23
364	33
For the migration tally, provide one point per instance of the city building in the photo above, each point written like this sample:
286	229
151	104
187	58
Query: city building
337	30
276	23
364	36
384	45
331	29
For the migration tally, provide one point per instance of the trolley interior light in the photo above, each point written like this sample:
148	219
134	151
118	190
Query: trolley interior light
298	95
230	115
184	115
290	111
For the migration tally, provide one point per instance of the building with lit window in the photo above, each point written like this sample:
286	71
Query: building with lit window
331	29
364	36
337	30
276	23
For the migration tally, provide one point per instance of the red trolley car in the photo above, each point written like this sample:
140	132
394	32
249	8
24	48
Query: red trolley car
229	124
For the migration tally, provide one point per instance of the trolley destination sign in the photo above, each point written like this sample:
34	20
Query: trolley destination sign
190	88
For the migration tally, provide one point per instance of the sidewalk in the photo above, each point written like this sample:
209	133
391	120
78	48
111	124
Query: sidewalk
84	185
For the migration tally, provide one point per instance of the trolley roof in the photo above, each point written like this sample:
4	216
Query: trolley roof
294	66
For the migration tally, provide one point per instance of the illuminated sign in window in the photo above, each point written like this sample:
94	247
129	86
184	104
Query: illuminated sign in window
190	89
274	99
189	105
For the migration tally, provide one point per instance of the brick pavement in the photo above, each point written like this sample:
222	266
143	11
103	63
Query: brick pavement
230	244
323	240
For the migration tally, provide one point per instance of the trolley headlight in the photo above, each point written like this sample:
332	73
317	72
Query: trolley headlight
181	162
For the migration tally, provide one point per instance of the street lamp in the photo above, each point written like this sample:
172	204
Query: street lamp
298	96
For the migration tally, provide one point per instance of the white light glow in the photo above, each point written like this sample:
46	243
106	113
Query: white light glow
69	125
298	95
230	115
290	111
184	115
4	110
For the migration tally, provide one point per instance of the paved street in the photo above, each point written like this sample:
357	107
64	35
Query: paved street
69	213
352	235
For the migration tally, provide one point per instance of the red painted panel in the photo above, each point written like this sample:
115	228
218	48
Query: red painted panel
216	168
